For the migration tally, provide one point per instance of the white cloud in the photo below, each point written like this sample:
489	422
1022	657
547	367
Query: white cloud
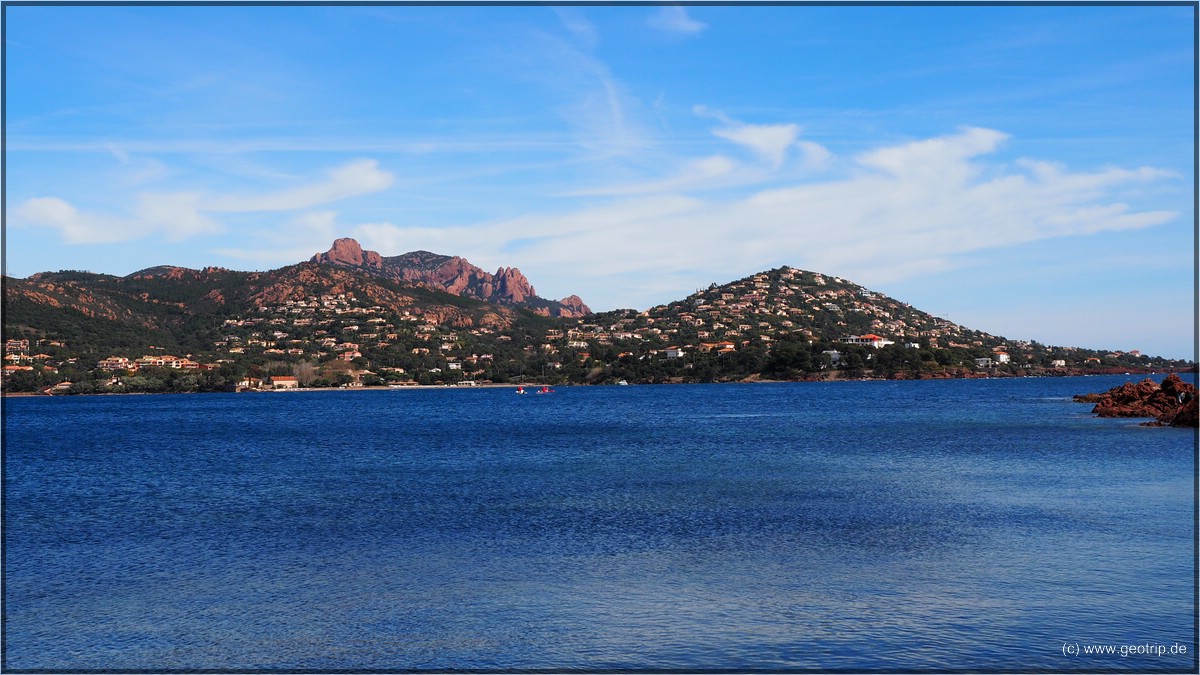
356	178
174	216
816	156
674	19
307	234
896	212
770	142
895	218
78	228
177	216
182	215
936	157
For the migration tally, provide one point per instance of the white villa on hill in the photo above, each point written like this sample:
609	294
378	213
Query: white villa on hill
868	340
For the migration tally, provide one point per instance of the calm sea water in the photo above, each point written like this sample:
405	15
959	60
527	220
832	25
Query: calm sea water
864	526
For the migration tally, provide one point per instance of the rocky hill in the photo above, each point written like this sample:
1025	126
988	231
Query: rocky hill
179	308
451	274
798	304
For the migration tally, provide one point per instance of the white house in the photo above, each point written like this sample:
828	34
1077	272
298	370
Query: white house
284	382
868	340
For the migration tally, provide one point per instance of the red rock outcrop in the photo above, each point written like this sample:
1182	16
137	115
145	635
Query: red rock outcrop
513	285
1171	403
451	274
573	307
1188	415
346	251
456	275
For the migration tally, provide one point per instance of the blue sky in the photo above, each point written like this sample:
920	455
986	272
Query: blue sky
1024	170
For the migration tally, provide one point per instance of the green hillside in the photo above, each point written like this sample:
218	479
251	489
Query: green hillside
329	325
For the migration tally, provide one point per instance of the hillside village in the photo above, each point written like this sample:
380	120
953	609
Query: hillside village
781	324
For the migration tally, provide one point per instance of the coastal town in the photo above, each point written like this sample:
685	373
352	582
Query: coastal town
780	324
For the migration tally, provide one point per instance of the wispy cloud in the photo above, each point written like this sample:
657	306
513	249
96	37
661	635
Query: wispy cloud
303	236
354	179
582	29
770	142
908	210
174	216
183	215
675	19
177	215
79	228
936	158
696	174
601	116
816	157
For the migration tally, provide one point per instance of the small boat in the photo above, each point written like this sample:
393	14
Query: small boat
623	383
545	390
520	390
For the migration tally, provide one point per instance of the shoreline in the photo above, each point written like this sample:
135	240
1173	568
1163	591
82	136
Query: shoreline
826	378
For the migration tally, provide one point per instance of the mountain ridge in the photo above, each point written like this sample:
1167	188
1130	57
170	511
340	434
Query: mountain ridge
333	321
453	274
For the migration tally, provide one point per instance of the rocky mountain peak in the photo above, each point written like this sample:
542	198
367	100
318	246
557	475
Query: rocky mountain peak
452	274
510	283
348	252
575	305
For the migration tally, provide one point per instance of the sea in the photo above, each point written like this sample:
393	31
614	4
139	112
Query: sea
919	526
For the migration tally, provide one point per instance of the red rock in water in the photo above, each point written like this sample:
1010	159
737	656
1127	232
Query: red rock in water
1165	402
1188	415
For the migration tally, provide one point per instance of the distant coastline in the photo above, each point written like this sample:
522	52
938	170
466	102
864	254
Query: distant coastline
815	377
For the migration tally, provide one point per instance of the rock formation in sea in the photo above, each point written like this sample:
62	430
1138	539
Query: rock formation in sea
1172	403
508	286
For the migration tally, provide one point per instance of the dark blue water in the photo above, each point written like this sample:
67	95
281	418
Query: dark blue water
867	526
